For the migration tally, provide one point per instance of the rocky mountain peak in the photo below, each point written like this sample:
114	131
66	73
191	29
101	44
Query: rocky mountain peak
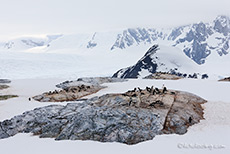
222	25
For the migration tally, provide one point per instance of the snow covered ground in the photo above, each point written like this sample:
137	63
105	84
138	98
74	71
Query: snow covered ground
22	65
211	135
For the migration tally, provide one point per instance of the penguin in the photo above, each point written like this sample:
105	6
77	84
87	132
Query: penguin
134	95
157	91
124	94
154	92
29	99
190	120
151	90
164	89
148	89
152	104
72	90
139	89
130	102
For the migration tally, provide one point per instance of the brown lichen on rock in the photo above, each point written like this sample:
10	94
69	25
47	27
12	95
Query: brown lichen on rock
163	76
132	117
68	94
225	79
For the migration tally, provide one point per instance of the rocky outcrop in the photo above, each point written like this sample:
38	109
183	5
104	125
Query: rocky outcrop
197	40
137	36
5	81
74	90
145	63
68	94
163	76
3	87
89	81
225	79
153	63
132	117
5	97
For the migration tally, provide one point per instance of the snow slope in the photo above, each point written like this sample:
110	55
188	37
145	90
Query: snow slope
19	65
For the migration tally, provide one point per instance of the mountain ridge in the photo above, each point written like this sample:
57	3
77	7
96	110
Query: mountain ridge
198	41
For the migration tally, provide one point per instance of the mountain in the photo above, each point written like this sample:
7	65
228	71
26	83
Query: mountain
198	41
157	59
27	43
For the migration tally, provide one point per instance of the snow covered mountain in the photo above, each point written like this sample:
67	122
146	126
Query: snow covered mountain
197	41
160	59
26	43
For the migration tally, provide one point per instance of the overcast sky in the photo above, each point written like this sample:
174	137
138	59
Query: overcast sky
18	17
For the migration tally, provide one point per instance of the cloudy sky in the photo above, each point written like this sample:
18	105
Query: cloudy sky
28	17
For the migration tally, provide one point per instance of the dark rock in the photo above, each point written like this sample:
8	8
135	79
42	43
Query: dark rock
5	81
144	63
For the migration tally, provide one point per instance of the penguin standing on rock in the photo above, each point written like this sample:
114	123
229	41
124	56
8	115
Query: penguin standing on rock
130	102
190	120
157	91
148	89
164	89
151	89
154	91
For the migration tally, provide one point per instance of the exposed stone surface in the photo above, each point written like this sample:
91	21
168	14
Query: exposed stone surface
5	97
225	79
89	81
163	76
146	63
3	87
4	81
132	117
150	64
195	40
73	90
68	93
